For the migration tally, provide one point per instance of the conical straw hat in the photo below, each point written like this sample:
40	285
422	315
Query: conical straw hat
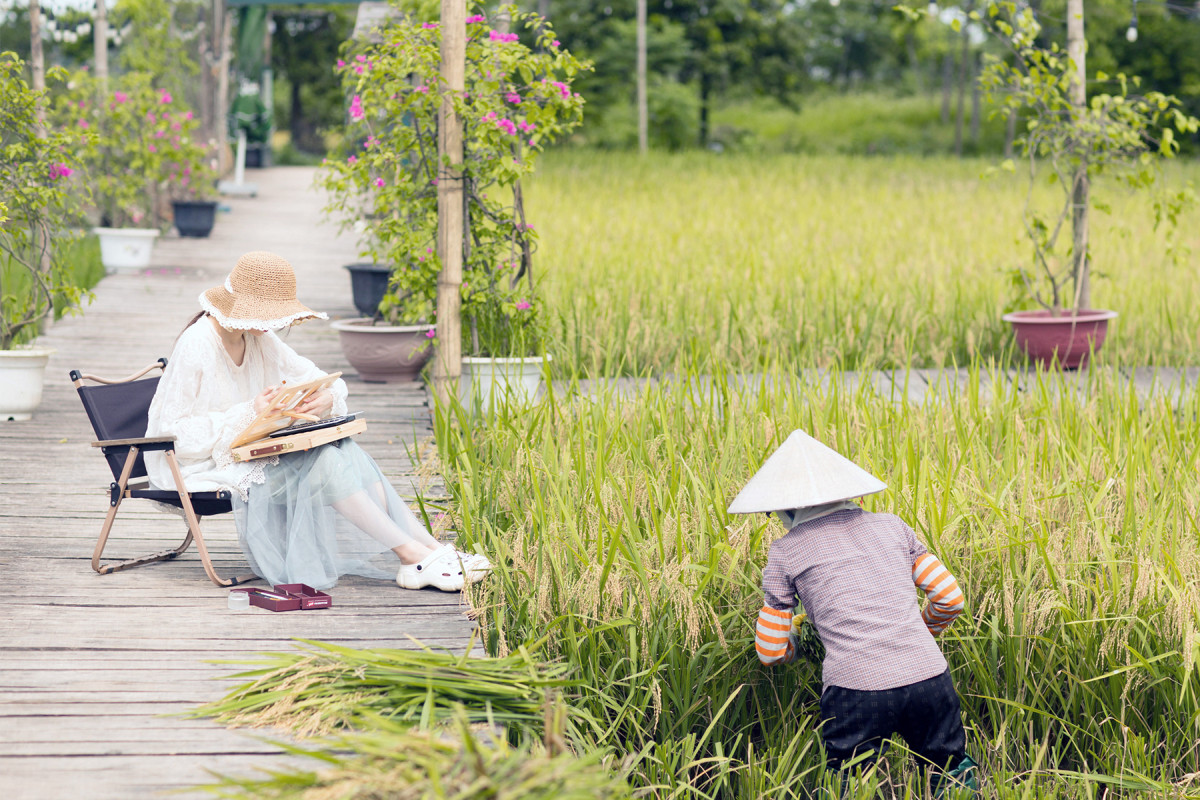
803	473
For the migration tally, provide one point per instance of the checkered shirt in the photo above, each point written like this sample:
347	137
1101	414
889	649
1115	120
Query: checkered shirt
853	573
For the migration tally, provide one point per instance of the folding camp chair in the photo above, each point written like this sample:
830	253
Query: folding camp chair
119	411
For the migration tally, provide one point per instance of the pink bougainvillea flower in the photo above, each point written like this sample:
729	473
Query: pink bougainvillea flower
497	36
352	160
434	181
428	249
356	109
165	98
176	126
152	148
526	126
563	89
476	18
120	97
81	104
59	171
513	98
379	182
429	26
431	334
555	43
83	123
176	141
423	89
187	115
151	116
420	258
159	134
524	305
340	63
488	117
507	126
361	59
359	69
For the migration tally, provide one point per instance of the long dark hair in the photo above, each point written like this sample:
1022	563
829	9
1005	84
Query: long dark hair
192	321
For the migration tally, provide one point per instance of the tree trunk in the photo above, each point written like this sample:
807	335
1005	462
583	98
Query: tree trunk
1010	133
100	45
37	59
1077	52
222	35
643	111
975	99
447	366
964	75
705	91
947	83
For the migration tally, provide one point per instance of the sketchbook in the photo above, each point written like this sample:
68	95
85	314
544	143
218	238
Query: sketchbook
267	434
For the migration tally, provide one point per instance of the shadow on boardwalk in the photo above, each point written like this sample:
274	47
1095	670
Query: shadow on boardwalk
89	664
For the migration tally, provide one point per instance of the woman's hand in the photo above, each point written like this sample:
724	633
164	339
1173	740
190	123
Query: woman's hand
319	404
264	399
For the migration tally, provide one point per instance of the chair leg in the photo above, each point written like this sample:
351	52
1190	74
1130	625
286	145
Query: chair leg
193	523
118	494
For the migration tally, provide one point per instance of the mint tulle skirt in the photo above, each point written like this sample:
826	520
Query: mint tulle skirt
321	514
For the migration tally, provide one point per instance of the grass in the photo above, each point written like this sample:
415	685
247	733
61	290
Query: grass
81	270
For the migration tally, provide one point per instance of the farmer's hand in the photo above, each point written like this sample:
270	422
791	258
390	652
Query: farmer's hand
319	404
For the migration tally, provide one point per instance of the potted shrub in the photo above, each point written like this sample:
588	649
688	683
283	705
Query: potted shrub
191	181
142	136
37	204
517	98
1069	140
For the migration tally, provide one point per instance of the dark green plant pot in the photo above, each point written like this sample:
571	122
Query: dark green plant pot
195	218
368	285
258	155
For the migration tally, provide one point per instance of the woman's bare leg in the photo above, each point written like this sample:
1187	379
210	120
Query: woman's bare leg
374	521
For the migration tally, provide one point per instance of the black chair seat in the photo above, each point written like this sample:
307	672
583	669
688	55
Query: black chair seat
205	504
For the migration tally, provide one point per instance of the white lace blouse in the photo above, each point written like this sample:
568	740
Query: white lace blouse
205	400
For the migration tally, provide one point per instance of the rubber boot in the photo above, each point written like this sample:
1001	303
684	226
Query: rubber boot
962	781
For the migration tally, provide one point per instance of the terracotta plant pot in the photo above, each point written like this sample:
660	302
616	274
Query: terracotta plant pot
1064	341
384	353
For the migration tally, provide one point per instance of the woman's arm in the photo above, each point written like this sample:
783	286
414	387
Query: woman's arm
772	633
297	368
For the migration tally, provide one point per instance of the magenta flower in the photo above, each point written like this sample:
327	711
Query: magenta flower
476	18
352	160
361	59
359	70
555	43
120	97
356	109
488	117
507	126
83	123
59	171
159	134
151	117
423	89
176	126
340	63
524	305
513	98
497	36
429	26
188	115
165	98
152	148
526	126
369	143
430	334
379	182
563	89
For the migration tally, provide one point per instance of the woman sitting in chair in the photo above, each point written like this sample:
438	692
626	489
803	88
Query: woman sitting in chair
302	517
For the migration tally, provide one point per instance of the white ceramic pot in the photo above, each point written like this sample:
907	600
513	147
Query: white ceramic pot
493	381
126	248
22	373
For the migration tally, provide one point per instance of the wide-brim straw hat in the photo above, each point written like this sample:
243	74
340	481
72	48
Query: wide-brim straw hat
259	295
803	473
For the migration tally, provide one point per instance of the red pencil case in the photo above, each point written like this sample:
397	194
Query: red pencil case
287	597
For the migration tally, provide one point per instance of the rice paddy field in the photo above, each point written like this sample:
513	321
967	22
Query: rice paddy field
625	596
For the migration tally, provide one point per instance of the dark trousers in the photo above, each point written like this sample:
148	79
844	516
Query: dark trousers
925	714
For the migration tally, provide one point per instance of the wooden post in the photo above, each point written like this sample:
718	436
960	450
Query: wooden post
642	103
222	36
37	60
1077	52
447	367
100	46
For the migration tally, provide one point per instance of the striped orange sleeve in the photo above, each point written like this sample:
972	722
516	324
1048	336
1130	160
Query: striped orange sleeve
941	590
771	636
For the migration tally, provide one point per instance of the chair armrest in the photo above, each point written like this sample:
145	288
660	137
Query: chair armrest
148	443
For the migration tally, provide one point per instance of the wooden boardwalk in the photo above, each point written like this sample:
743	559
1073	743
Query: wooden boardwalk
90	664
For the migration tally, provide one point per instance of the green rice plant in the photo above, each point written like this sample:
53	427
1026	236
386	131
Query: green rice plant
743	261
398	762
1068	515
322	687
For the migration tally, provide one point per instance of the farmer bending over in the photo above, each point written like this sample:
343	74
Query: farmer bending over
853	572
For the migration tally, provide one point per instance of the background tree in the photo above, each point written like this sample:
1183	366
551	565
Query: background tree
303	52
